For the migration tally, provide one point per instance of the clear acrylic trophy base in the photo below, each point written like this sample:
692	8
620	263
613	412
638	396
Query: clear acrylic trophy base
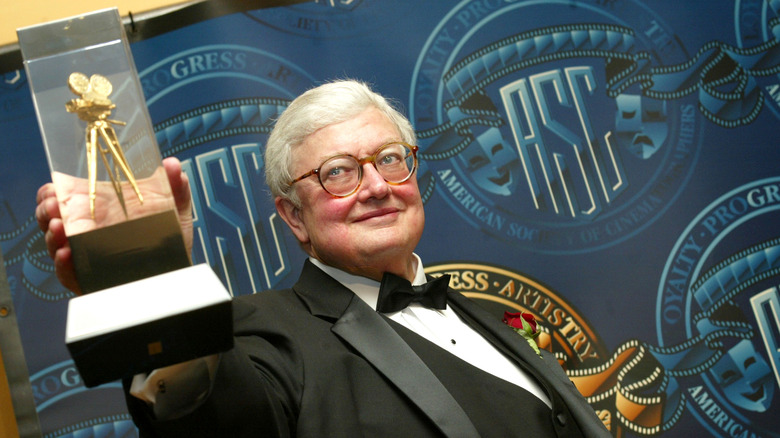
148	324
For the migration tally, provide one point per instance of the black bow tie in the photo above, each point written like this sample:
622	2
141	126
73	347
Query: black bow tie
396	293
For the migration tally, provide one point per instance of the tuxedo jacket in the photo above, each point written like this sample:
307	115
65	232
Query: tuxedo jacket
316	361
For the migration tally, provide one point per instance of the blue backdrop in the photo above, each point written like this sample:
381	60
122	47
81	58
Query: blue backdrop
607	165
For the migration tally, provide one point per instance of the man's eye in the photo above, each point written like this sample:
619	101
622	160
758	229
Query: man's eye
339	172
389	159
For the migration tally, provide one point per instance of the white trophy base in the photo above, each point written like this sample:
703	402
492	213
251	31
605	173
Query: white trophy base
147	324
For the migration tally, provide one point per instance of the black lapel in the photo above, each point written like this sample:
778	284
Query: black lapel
368	333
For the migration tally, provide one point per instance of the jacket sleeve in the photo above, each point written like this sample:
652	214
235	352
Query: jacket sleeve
255	391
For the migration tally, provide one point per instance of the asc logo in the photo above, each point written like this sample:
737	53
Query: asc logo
567	138
718	315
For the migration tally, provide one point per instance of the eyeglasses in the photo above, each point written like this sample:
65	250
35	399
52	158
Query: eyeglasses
341	175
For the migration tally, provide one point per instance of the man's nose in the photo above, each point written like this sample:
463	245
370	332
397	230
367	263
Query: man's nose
373	185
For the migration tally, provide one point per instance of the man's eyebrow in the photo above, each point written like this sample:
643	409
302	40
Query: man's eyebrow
335	154
387	140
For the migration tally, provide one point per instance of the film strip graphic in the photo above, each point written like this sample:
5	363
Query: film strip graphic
25	245
120	425
642	382
721	75
216	121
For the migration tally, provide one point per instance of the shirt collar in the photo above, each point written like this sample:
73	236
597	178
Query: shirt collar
366	288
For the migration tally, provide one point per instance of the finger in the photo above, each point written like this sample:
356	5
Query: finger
42	217
66	274
55	237
47	207
180	184
183	196
180	188
45	191
173	169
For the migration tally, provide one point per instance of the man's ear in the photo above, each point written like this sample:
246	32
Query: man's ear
292	216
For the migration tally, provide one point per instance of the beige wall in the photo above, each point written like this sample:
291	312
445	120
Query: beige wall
20	13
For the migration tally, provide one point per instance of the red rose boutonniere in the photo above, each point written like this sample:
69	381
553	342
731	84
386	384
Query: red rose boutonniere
525	325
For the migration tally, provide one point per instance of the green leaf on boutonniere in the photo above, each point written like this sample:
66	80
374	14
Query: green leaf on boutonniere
525	325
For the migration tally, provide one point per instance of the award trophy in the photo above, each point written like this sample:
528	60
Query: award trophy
150	308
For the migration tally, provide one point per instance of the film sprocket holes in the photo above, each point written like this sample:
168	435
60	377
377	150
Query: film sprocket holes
115	200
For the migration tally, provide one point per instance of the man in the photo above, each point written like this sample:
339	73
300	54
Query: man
321	359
